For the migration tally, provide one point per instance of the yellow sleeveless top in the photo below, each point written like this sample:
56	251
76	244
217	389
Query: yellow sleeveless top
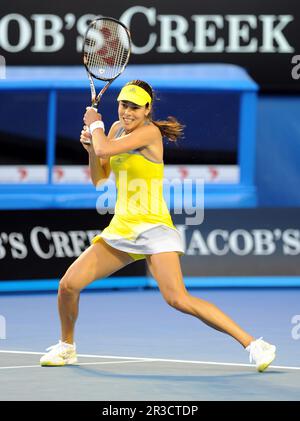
140	203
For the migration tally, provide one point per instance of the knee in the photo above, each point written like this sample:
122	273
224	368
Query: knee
179	301
67	285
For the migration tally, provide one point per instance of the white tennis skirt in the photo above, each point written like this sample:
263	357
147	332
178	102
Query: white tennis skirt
154	240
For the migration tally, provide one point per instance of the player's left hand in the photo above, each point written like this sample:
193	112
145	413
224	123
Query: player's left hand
91	115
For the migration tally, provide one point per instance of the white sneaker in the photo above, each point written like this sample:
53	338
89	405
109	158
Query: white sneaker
59	355
262	353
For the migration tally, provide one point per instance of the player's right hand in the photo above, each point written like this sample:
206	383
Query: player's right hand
86	139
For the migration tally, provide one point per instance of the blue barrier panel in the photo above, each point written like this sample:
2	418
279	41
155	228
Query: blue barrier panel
186	80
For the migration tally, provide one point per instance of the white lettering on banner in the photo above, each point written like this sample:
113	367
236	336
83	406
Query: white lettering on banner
205	30
150	14
178	33
291	239
78	239
273	33
197	242
61	244
19	250
212	242
81	26
240	32
164	33
264	242
70	20
15	242
24	32
48	244
42	33
34	240
236	245
3	237
258	242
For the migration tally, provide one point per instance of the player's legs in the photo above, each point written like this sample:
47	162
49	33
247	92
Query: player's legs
98	261
165	268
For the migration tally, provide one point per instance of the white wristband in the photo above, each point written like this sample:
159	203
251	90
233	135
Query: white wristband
96	125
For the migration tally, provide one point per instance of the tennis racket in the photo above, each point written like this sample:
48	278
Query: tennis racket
106	52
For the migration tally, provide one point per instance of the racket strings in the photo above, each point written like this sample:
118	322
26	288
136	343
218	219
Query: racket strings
119	56
106	48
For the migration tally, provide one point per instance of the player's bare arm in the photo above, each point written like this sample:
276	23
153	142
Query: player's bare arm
105	147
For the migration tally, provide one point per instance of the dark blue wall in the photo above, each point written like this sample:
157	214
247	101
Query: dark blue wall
278	151
277	143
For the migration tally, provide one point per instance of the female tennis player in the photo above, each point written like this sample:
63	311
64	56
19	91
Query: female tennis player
141	226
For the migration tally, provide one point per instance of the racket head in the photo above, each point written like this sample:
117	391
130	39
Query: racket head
106	48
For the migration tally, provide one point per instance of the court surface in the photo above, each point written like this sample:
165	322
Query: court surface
133	346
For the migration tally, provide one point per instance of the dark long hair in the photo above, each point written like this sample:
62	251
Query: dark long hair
170	128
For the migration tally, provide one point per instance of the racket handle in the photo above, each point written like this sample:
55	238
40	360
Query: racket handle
87	127
95	107
87	142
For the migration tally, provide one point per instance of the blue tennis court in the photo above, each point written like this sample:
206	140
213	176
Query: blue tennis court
132	346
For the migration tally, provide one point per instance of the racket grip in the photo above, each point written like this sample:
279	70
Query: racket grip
91	128
94	107
87	142
87	127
